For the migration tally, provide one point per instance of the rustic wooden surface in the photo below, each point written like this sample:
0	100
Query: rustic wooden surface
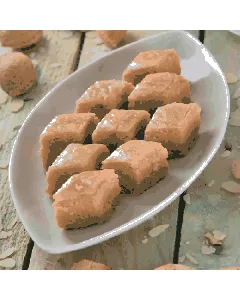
56	47
212	208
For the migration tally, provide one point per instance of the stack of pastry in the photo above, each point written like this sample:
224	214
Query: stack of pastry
119	138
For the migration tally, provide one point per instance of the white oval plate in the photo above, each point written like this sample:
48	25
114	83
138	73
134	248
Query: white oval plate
27	178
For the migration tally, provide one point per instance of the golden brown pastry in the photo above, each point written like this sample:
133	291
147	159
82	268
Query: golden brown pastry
17	73
159	89
174	267
76	158
176	126
120	126
63	130
153	61
139	164
103	96
86	264
86	199
111	38
19	39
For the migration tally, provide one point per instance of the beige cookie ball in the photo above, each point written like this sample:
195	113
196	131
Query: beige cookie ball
20	38
17	73
173	267
111	38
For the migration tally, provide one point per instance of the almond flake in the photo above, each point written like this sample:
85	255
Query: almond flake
7	253
219	235
231	187
3	164
231	78
211	183
191	259
212	239
225	153
144	241
206	250
3	97
7	263
158	230
5	234
181	258
55	65
236	168
16	105
187	199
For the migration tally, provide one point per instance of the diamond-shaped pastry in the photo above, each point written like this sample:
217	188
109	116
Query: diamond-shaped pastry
176	126
103	96
76	158
153	61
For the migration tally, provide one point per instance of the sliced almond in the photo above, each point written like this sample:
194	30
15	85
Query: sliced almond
211	183
212	240
7	263
156	231
7	253
181	259
236	168
4	164
187	199
236	94
231	78
55	65
5	234
225	153
231	187
191	259
16	105
219	235
207	250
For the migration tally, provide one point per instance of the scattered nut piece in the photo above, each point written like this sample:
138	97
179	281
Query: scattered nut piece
3	164
231	187
55	65
7	253
16	105
5	234
158	230
236	94
219	235
191	259
207	250
144	240
236	168
231	78
212	239
226	153
181	259
211	183
7	263
187	199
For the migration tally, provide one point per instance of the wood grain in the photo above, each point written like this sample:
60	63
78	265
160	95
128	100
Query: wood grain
212	208
56	47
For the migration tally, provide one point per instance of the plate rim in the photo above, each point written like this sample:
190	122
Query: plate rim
151	212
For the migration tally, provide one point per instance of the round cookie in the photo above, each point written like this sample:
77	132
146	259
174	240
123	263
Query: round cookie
174	267
19	39
17	73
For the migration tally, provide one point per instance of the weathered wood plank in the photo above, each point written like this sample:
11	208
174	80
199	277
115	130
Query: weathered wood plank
56	47
127	250
212	208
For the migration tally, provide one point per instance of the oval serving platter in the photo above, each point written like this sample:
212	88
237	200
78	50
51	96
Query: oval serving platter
27	178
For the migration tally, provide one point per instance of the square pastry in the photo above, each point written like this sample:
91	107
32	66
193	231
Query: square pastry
139	164
159	89
85	199
120	126
63	130
76	158
86	264
103	96
153	61
176	126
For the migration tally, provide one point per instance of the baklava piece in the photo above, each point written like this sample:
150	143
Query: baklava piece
111	38
76	158
103	96
150	62
139	164
85	199
63	130
175	126
86	264
159	89
120	126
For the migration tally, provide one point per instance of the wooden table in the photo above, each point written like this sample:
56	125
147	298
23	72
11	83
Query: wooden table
210	208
